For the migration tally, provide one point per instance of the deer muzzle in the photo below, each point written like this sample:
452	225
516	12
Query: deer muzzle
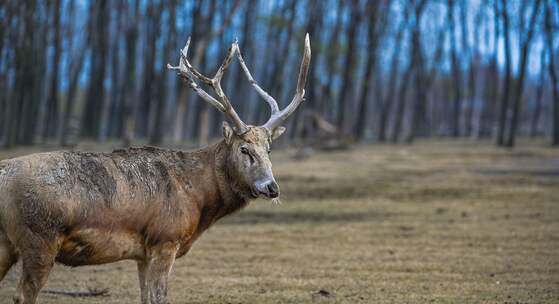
268	188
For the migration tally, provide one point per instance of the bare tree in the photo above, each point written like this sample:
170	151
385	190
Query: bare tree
115	105
349	62
420	71
491	86
456	71
182	96
148	89
328	106
525	43
550	27
131	36
377	25
98	38
157	135
51	117
536	113
501	10
78	53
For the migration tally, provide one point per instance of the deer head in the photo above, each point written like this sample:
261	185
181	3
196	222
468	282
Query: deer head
249	146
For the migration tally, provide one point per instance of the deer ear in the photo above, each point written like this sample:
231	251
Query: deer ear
277	132
227	133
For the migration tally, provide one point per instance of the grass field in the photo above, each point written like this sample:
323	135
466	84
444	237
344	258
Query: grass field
436	222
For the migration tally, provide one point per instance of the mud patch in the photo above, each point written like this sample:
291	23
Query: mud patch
39	217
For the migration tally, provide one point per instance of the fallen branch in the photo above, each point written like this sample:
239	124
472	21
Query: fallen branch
91	292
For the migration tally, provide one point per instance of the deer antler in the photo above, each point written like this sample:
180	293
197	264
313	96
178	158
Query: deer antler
188	73
277	117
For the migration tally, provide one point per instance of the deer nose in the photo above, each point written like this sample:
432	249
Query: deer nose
273	189
269	188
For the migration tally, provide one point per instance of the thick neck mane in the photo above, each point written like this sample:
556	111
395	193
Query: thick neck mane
231	196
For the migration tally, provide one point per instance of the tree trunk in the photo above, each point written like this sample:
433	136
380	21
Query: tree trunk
51	118
184	98
506	89
419	68
525	47
401	103
240	96
385	105
456	72
536	113
148	92
550	35
346	93
30	52
95	98
491	86
332	54
469	81
75	70
373	37
115	101
127	119
157	136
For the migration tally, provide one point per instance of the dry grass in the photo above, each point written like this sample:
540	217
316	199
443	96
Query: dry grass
437	222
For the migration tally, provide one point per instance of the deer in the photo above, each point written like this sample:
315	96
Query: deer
145	204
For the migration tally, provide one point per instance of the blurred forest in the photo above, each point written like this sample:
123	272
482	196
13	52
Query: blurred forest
381	71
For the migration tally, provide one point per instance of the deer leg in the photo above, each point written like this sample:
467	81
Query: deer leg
8	256
36	267
159	267
144	291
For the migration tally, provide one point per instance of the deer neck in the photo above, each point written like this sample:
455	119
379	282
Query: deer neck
230	198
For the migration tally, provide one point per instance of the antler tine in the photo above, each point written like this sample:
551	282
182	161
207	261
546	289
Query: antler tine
195	72
189	73
225	64
240	126
278	118
269	99
188	76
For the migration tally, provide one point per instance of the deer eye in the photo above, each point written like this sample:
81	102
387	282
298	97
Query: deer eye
244	150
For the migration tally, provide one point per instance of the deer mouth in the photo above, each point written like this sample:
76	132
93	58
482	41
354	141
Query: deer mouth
254	193
268	195
265	193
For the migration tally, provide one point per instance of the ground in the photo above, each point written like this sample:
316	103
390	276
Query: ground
436	222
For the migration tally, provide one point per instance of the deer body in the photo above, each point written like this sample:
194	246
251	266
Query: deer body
146	204
99	208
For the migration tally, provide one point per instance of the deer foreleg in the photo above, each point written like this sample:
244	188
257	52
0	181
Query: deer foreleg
158	269
144	291
35	270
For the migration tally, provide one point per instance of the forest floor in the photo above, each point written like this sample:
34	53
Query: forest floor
436	222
